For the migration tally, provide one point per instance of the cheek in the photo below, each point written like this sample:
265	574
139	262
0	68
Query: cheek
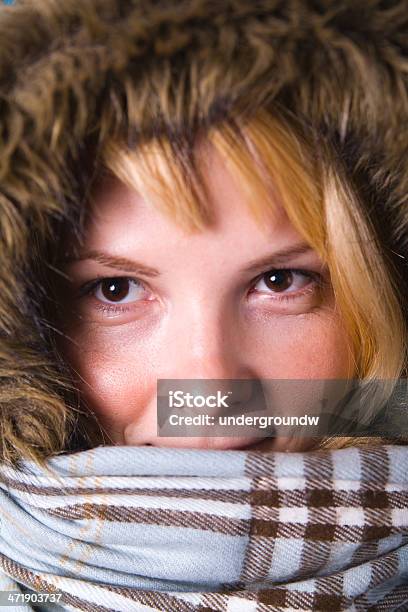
310	346
115	376
112	390
295	352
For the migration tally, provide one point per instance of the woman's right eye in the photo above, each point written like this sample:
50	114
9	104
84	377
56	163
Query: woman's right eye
116	290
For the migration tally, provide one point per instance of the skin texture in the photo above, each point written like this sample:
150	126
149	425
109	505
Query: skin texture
202	316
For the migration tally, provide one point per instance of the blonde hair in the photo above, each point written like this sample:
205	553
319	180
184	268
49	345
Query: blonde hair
272	160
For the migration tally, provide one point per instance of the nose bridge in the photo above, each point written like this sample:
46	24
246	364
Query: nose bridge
204	341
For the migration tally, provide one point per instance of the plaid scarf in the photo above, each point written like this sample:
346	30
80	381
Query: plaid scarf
144	528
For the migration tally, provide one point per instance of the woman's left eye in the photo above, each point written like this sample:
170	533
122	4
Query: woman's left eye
283	281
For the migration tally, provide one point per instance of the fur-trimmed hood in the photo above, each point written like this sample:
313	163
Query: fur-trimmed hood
73	73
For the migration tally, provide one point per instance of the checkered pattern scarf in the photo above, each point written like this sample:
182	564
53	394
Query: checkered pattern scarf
143	528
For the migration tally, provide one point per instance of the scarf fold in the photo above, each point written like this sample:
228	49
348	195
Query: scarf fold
145	528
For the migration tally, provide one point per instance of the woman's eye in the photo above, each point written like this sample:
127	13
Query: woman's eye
118	290
284	281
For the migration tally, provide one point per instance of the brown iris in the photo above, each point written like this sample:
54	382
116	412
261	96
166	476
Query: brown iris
115	289
278	280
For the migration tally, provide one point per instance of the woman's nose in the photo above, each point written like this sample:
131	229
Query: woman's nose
207	351
206	341
203	352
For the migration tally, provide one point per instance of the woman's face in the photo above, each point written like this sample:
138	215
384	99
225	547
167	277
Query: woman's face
149	300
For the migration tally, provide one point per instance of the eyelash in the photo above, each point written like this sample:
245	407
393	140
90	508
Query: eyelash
316	278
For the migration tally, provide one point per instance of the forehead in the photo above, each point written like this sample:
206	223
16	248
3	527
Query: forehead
127	225
114	204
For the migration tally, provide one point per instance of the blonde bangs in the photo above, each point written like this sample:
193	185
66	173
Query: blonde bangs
266	160
164	176
269	162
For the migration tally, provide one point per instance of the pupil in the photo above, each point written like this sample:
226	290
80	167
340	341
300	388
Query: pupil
279	280
115	289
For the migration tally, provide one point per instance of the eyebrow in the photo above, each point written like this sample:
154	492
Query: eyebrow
279	257
113	261
130	265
